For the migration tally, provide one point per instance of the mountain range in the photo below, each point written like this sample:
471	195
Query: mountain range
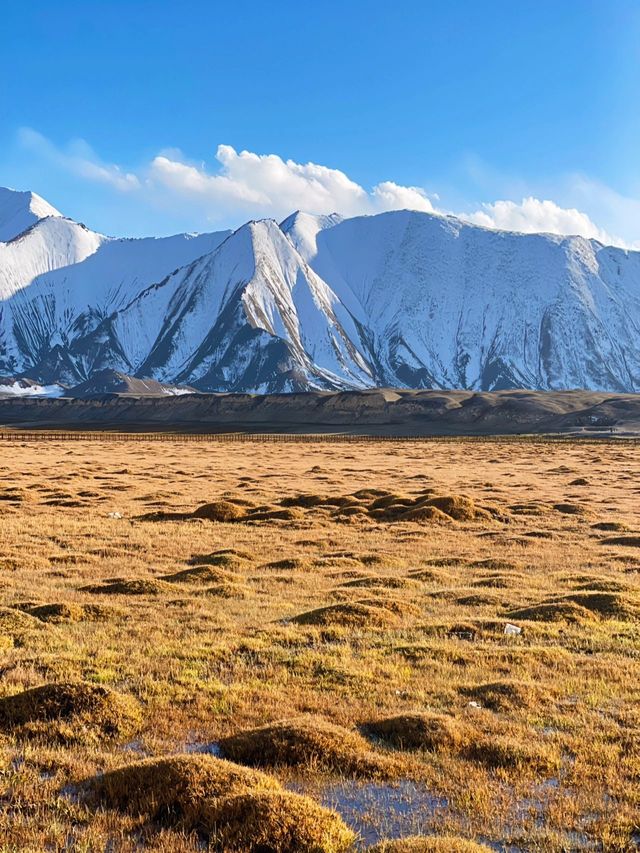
403	299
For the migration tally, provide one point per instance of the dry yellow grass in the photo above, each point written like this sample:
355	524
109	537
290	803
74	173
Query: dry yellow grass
212	591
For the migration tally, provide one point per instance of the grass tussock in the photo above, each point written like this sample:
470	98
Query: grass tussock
288	564
379	582
70	711
228	590
506	696
225	557
61	612
237	808
308	742
124	586
553	611
17	626
626	541
201	575
512	753
349	615
429	844
420	730
223	511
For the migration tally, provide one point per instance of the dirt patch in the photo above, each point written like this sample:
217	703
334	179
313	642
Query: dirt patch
350	615
419	730
308	741
70	711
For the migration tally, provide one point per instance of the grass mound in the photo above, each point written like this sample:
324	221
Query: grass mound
286	514
278	822
129	587
378	582
288	564
304	501
224	511
239	809
227	590
76	707
609	526
58	612
350	615
226	557
308	741
508	695
458	507
429	514
419	730
512	753
570	509
552	611
627	541
178	788
480	599
500	581
428	844
608	605
14	623
495	564
200	574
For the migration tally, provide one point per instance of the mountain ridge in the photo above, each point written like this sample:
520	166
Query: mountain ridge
402	299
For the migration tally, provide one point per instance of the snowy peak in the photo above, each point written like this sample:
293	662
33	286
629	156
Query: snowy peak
399	299
303	229
21	210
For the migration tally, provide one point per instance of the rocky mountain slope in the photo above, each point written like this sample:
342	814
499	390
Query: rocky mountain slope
400	299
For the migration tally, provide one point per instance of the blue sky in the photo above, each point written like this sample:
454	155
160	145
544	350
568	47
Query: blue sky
115	111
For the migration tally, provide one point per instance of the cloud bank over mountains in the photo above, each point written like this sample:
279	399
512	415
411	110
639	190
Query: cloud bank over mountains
250	185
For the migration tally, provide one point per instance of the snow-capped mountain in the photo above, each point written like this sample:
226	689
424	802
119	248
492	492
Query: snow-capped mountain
401	299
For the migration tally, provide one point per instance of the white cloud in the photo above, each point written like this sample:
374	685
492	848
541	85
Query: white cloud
247	185
390	196
79	159
265	184
533	215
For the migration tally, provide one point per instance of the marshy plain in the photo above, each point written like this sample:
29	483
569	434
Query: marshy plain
400	646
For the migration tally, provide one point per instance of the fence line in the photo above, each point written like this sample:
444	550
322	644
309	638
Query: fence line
278	438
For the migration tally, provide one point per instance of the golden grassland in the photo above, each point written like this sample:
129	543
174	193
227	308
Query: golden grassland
330	620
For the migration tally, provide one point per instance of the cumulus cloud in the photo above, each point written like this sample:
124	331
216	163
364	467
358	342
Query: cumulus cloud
79	159
533	215
246	185
268	185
